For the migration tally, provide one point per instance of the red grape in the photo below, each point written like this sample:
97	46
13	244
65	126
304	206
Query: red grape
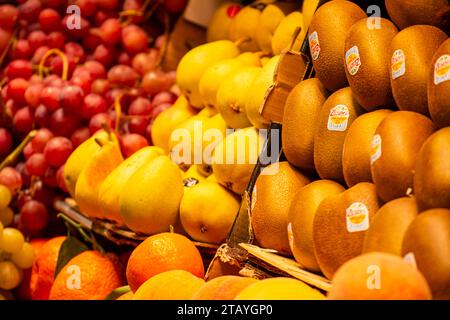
108	5
5	37
40	139
50	97
98	121
49	20
15	90
91	40
49	178
140	107
93	104
138	125
80	135
110	31
96	69
23	120
5	141
160	108
100	86
29	11
57	150
123	75
155	81
134	5
25	176
11	178
56	39
132	142
71	98
87	7
42	116
64	123
79	31
28	151
37	39
36	165
101	16
60	179
105	55
34	216
134	39
164	97
144	62
19	69
33	95
124	58
8	16
75	51
43	194
22	50
39	54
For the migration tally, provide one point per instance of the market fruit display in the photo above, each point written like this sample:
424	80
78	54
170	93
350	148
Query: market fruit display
124	179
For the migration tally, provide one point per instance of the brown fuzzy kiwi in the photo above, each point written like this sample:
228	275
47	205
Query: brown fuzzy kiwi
395	146
406	13
428	240
411	52
357	147
301	217
301	113
389	226
367	62
340	224
432	174
326	35
439	86
271	200
329	137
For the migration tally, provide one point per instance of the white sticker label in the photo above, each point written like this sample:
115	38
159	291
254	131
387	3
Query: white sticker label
411	259
253	199
338	118
442	69
357	217
398	64
353	60
314	45
375	148
290	236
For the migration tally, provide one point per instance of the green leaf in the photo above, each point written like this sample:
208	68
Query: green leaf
70	248
118	292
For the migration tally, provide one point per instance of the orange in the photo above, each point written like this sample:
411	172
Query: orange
90	275
160	253
223	288
43	270
23	292
170	285
126	296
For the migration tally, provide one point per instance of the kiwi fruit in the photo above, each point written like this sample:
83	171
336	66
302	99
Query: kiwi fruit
326	36
335	117
428	241
357	147
340	225
301	217
432	172
301	113
439	86
411	52
271	200
367	63
395	147
406	13
389	226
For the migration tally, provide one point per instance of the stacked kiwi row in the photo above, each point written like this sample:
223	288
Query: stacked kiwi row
373	130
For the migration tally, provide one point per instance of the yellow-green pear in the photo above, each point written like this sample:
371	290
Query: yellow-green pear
282	37
232	94
196	61
150	199
245	26
113	185
220	23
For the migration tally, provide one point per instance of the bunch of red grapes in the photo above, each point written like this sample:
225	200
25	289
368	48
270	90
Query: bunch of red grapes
64	82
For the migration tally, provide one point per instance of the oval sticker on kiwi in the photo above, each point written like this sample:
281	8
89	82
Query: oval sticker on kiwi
442	69
398	64
314	45
375	148
357	217
353	60
338	118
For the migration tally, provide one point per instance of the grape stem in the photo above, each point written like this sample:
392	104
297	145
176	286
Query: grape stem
12	157
65	61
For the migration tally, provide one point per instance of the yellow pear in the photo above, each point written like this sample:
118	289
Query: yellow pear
308	9
220	23
217	73
194	63
151	197
77	160
208	112
194	140
232	94
257	93
269	20
208	211
112	186
168	120
282	37
192	177
98	166
235	157
212	178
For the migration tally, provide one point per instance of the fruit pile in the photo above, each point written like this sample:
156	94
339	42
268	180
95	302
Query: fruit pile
68	74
